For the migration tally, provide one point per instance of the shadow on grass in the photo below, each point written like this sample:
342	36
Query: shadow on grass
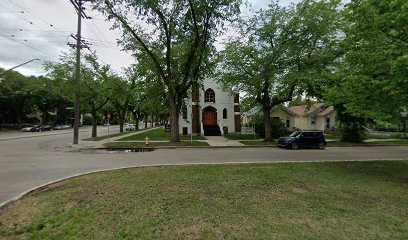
395	171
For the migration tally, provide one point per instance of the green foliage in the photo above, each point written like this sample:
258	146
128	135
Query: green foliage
350	128
371	81
21	95
352	132
277	127
282	52
87	119
175	41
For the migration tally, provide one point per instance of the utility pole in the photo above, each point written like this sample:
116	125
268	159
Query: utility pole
81	14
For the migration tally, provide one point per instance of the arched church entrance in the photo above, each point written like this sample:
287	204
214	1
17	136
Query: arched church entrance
210	125
209	116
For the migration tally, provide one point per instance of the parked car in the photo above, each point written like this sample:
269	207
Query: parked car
303	139
28	129
41	128
61	127
167	127
130	127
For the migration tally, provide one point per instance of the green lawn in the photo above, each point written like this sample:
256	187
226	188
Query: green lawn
349	144
255	143
394	136
152	144
332	136
348	200
157	134
9	129
369	136
400	141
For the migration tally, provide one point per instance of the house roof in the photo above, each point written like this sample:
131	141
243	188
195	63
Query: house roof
326	111
253	111
287	110
319	109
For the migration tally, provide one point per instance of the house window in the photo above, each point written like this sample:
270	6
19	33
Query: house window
184	112
185	131
287	123
224	114
313	120
209	96
327	123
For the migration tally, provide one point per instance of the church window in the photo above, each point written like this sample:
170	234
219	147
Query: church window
224	114
184	112
209	96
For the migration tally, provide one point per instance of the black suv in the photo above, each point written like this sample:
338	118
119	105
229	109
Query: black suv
303	139
41	128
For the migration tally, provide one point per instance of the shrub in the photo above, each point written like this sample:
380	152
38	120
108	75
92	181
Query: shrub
277	127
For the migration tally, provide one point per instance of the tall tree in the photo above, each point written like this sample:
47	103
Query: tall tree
281	52
94	83
17	97
122	89
371	81
177	36
95	88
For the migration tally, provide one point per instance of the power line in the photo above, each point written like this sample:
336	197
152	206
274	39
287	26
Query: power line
34	30
23	43
97	28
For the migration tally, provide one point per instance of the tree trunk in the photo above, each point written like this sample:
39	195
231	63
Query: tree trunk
121	119
137	123
267	122
94	123
145	121
151	120
174	123
266	108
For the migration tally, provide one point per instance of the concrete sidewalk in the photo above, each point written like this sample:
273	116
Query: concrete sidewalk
221	141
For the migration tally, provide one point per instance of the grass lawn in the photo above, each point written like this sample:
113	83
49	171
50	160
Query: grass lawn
377	136
152	144
332	136
157	134
2	129
349	144
106	136
400	141
242	137
254	143
348	200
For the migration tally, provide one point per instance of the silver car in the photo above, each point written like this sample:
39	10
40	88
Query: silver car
28	129
130	127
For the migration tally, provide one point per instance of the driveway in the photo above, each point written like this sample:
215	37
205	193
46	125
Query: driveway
26	163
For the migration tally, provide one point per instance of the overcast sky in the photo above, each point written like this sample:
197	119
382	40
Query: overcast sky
42	28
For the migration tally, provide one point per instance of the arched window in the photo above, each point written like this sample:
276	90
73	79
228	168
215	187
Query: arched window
209	96
184	110
224	114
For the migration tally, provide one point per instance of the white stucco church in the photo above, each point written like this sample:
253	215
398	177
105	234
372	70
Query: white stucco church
210	112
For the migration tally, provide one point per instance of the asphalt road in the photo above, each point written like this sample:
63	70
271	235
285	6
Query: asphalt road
27	162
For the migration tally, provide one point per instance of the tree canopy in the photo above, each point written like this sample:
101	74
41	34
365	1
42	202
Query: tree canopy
281	52
371	81
177	37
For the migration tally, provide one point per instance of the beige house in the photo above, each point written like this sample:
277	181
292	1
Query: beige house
315	117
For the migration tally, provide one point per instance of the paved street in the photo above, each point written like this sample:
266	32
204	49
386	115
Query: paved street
28	162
